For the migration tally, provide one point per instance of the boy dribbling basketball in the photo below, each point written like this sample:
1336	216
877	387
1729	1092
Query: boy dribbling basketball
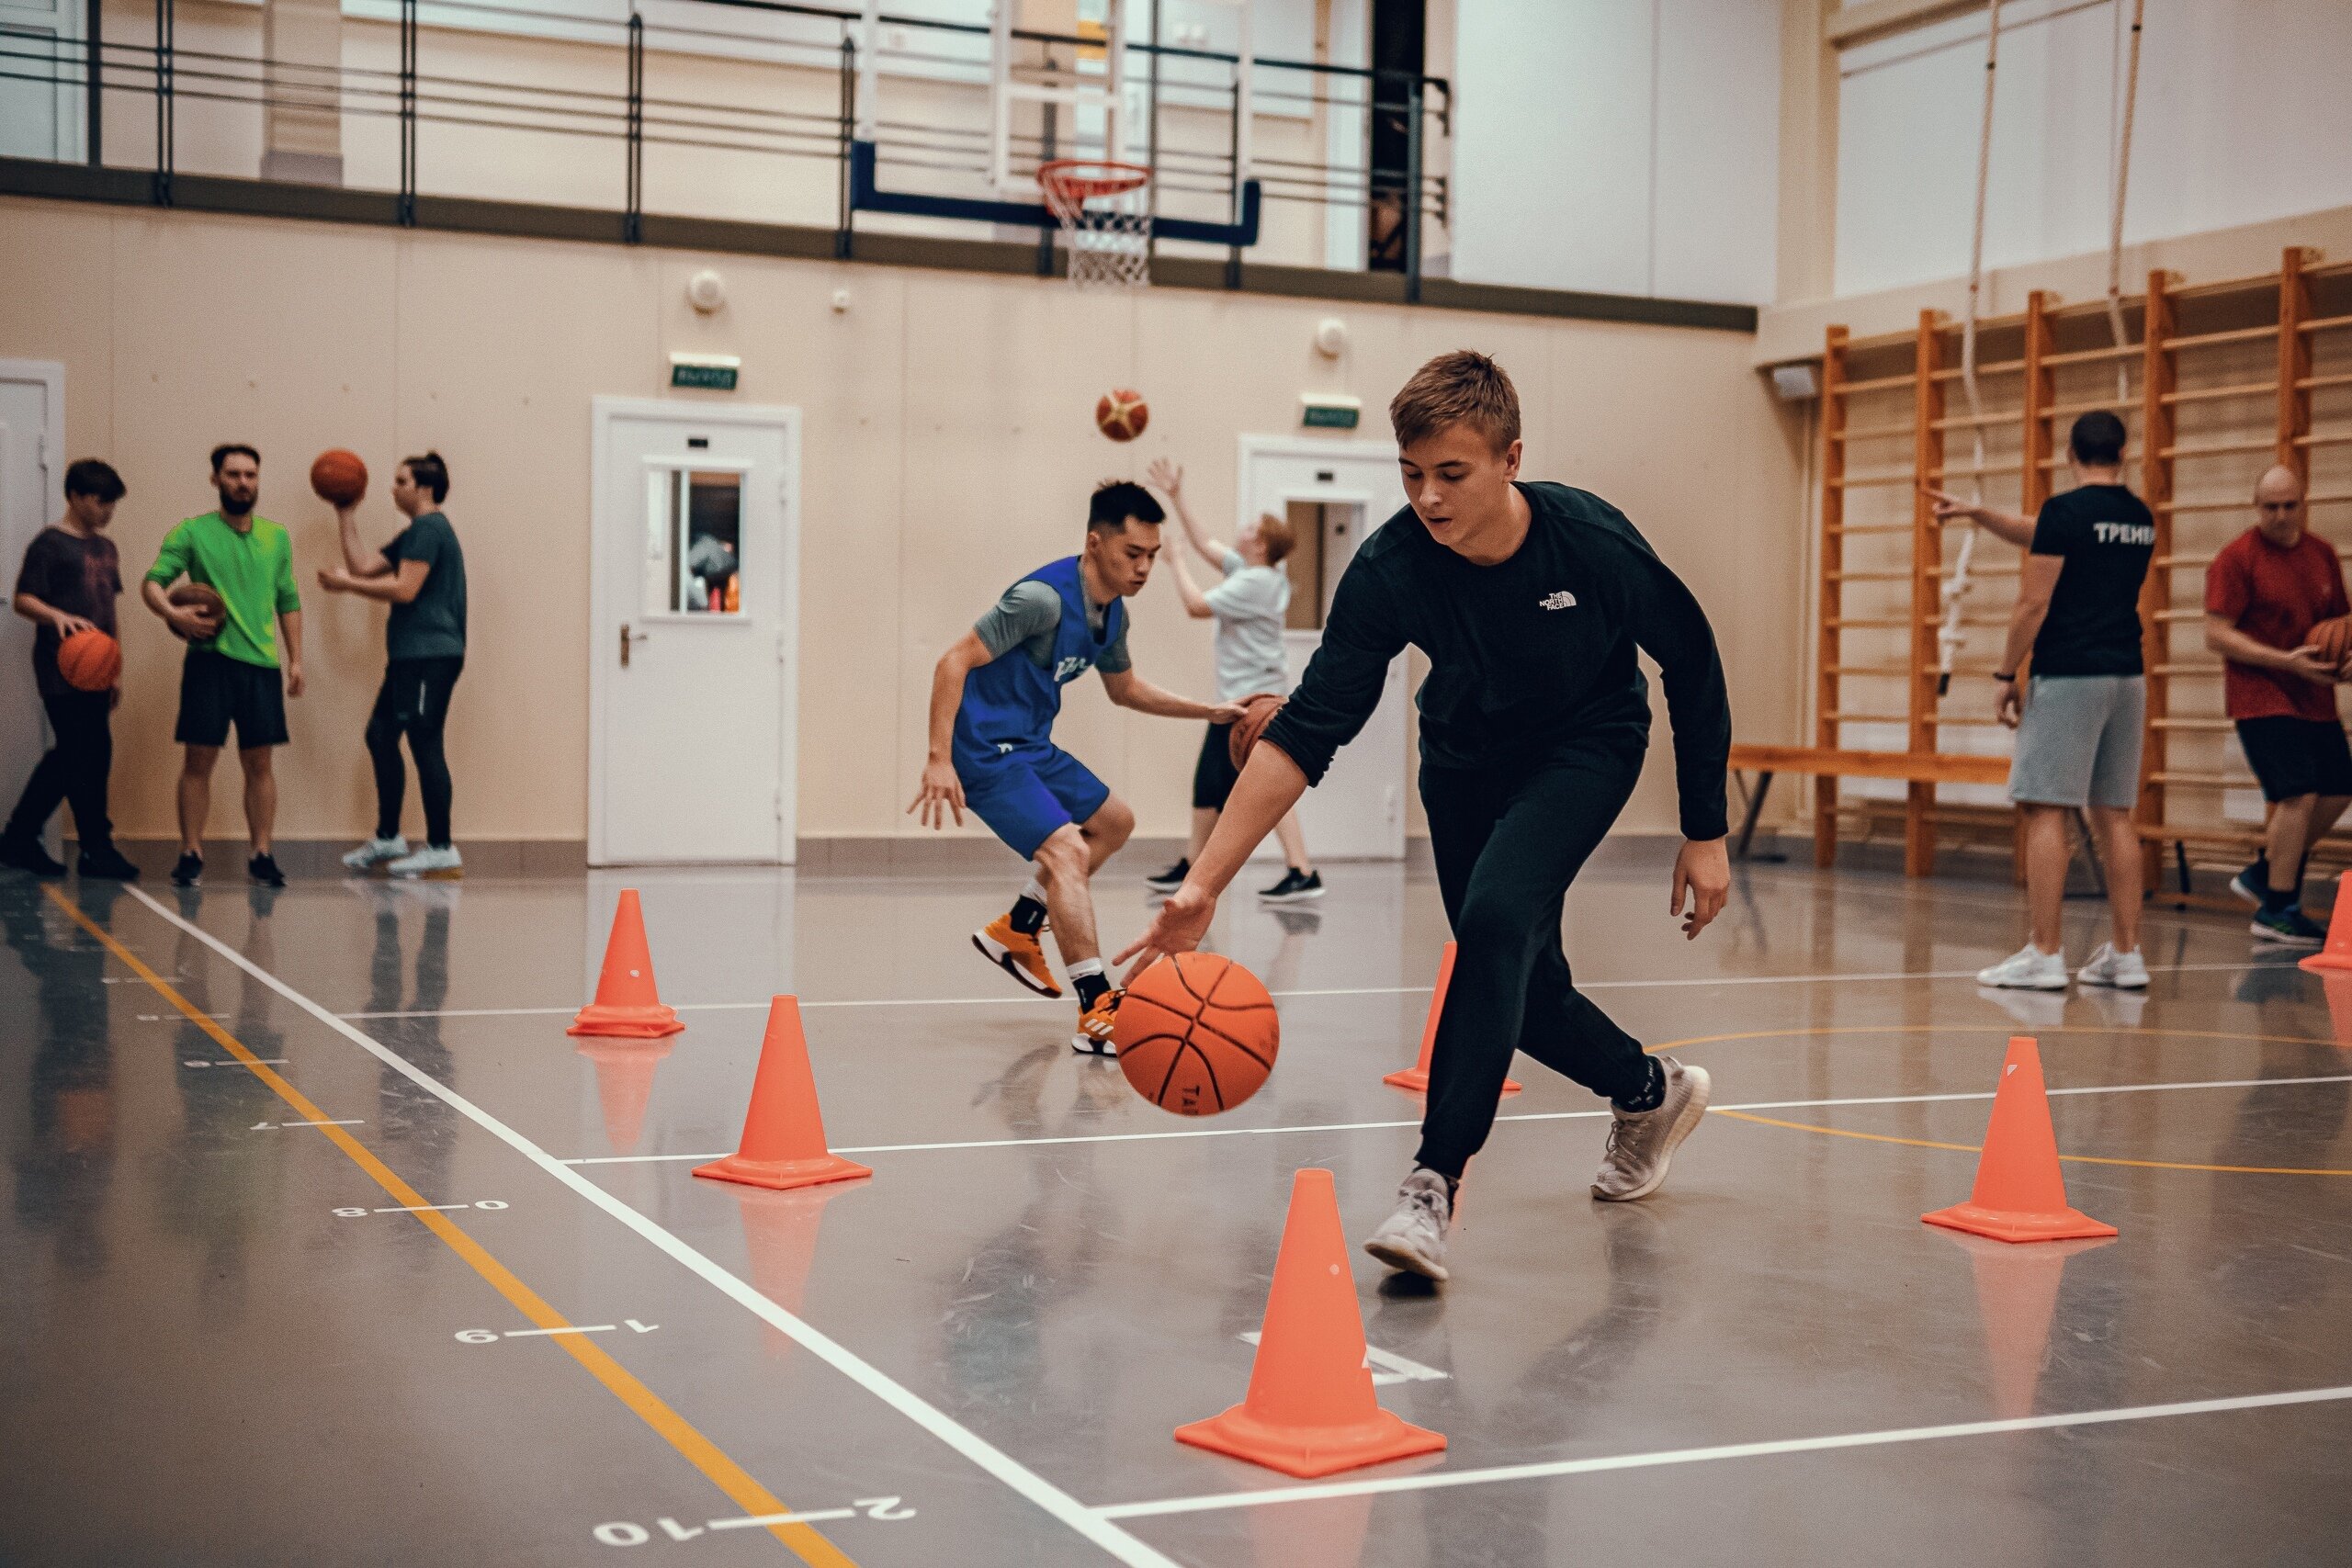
1529	601
994	697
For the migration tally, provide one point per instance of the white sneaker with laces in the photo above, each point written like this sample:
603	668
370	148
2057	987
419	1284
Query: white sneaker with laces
2125	971
2028	969
1412	1239
367	856
429	861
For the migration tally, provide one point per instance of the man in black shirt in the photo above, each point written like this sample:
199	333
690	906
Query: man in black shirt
1529	601
2079	722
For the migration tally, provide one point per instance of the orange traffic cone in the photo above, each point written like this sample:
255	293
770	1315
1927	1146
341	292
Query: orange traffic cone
1416	1077
623	1085
784	1133
626	1006
1310	1409
2338	953
2020	1193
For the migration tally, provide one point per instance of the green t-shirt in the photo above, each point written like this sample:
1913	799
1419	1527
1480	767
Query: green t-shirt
253	571
432	624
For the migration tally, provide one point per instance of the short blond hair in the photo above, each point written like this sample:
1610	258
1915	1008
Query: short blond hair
1276	535
1460	388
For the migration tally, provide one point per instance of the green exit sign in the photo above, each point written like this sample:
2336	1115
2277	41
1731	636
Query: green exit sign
1329	412
707	372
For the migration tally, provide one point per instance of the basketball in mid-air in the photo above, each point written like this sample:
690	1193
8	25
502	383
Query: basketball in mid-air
90	660
1121	415
1196	1034
339	476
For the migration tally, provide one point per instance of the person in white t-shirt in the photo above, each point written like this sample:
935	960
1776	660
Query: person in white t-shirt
1249	607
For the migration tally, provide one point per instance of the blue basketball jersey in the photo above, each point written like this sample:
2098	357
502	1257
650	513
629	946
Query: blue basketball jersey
1010	702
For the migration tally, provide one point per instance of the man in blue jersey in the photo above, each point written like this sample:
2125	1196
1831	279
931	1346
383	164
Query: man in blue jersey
994	697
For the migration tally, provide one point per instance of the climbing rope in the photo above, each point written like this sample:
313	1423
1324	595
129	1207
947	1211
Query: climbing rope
2115	230
1949	636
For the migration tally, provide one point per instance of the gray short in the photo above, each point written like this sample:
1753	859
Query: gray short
2079	741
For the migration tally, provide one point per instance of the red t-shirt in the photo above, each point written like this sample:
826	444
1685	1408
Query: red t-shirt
2276	596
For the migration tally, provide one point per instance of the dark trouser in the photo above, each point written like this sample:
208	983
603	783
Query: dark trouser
72	769
413	701
1508	841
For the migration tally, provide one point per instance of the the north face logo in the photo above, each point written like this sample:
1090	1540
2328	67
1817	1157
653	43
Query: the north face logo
1563	600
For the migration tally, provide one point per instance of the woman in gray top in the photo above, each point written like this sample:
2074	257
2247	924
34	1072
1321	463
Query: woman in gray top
1249	607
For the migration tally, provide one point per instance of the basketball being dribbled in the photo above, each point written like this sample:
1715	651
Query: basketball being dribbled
1196	1034
1256	713
90	660
1121	415
339	476
2332	639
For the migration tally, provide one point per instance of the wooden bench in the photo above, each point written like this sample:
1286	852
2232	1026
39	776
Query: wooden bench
1830	765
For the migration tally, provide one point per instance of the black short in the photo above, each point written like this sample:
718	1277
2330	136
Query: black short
1214	775
217	691
2297	756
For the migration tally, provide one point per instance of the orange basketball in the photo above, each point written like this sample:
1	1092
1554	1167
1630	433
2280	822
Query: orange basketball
90	660
1196	1034
2332	637
1121	415
339	476
1256	713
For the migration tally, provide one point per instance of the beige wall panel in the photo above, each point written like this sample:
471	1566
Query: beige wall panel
58	303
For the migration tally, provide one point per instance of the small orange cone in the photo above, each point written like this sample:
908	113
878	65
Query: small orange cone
625	1084
784	1133
626	1006
1416	1077
1310	1409
2338	953
2020	1193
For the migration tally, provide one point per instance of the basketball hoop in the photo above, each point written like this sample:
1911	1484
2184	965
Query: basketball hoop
1105	212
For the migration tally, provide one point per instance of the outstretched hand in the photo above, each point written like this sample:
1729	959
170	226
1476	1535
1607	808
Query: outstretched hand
1178	927
1166	477
1703	870
940	794
1948	506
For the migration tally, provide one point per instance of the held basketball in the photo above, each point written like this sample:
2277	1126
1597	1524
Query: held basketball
1256	713
339	476
2332	637
207	602
1196	1034
1121	415
90	660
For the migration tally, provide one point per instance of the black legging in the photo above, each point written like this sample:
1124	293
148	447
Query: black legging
415	701
74	770
1508	841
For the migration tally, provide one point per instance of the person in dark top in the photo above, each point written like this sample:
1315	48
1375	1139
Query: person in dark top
1529	601
422	575
2079	722
69	581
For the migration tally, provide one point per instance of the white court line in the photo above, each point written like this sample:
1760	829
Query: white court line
1507	1116
573	1328
1080	1518
751	1521
1434	1479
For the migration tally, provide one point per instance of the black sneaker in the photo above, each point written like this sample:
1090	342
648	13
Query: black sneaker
2286	928
1171	879
187	871
262	868
105	863
1295	887
25	854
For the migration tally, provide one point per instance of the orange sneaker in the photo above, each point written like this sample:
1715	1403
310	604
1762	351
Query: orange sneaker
1018	953
1093	1034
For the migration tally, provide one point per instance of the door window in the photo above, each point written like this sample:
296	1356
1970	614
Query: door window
694	542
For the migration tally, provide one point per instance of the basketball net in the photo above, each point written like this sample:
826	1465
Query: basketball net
1105	212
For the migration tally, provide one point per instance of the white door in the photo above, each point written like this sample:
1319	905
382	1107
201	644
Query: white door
32	467
694	634
1358	811
40	80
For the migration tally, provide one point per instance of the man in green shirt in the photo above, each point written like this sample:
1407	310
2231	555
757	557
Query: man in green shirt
231	671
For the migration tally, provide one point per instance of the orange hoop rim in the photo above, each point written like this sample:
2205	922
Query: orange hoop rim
1081	180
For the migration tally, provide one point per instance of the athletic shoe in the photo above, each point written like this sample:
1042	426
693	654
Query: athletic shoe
2252	883
25	854
1094	1025
188	871
443	862
105	863
1018	953
366	856
262	868
1412	1238
1642	1143
2286	928
1171	879
2027	969
2125	971
1295	887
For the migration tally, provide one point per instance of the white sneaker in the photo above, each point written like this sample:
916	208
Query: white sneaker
429	861
2125	971
2029	969
366	856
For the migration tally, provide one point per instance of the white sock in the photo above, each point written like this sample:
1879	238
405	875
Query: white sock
1084	966
1034	890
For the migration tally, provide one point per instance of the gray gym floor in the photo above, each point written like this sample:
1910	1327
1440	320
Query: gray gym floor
231	1344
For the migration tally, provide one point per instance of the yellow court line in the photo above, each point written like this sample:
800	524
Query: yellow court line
808	1544
2073	1159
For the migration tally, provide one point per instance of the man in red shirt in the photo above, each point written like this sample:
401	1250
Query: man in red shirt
2264	591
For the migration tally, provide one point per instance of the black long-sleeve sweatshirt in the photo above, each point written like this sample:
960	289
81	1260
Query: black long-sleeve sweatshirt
1525	655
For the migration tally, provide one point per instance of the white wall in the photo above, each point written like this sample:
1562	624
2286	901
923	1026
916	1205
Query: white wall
1619	147
2241	117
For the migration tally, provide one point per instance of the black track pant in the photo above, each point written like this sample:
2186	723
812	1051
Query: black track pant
1508	841
74	770
415	701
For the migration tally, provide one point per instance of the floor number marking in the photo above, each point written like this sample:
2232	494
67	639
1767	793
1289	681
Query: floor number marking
622	1532
491	1335
417	1208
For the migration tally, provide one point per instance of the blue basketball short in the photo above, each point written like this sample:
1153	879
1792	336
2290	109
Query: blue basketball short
1028	795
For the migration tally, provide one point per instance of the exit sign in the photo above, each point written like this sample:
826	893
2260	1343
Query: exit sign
708	372
1327	413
